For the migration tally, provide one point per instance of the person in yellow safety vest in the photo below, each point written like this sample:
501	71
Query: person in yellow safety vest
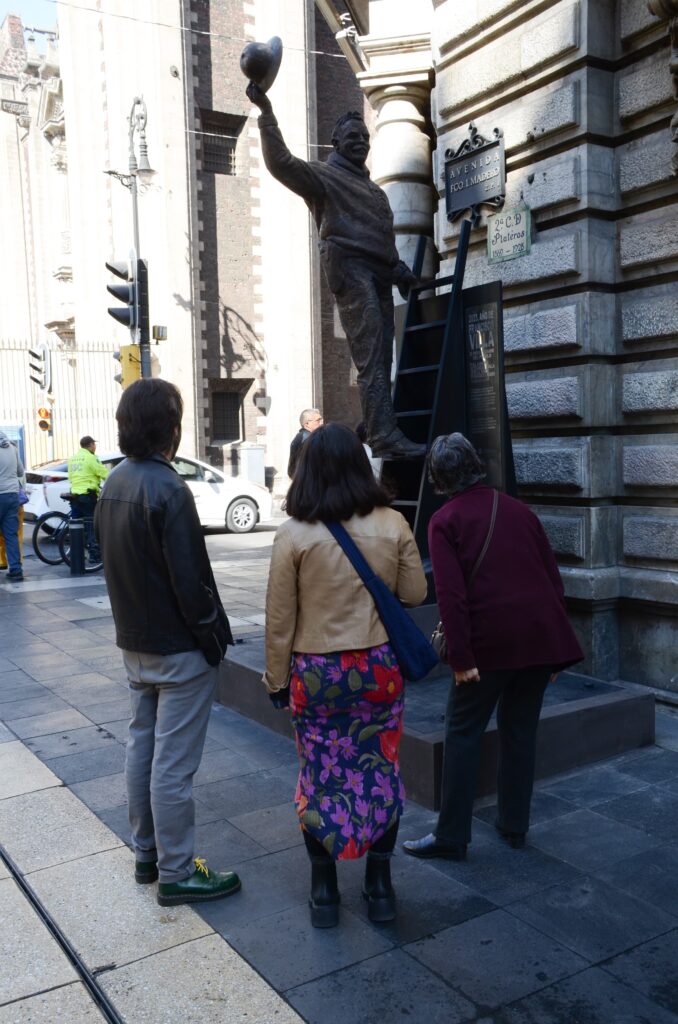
85	476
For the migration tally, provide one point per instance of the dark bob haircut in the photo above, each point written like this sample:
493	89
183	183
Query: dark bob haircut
148	414
333	479
453	464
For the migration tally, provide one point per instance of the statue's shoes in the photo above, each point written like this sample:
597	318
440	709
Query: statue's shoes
397	446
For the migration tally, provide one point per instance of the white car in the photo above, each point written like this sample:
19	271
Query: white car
233	502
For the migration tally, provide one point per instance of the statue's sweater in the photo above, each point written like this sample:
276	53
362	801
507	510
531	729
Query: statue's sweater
350	211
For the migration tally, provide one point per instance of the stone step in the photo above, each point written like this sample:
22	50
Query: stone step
583	720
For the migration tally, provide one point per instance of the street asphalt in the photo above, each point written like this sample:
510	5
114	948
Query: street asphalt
579	928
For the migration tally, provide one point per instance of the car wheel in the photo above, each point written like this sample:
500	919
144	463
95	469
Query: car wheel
242	516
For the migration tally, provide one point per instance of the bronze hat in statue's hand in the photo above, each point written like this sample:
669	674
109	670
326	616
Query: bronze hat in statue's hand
260	62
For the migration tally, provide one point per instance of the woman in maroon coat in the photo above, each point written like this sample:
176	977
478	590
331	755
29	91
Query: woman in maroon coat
507	635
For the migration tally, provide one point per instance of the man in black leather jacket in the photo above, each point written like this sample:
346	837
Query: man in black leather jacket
173	632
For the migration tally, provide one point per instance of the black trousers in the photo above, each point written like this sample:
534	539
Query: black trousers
365	305
83	506
518	696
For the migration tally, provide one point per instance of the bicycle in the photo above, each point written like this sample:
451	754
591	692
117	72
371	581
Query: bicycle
52	539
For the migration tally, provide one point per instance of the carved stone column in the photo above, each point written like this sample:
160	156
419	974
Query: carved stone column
668	9
398	86
401	156
60	318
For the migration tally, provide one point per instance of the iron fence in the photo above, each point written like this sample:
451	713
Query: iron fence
83	398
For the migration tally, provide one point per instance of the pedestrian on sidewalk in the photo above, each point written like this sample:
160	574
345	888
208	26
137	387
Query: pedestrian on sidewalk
86	474
310	420
327	652
502	607
173	632
11	471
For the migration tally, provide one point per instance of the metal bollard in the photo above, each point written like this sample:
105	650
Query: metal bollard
77	538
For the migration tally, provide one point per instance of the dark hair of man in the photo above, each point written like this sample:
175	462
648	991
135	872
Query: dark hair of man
333	479
351	115
453	464
148	414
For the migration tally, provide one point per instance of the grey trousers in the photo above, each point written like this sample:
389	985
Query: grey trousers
171	698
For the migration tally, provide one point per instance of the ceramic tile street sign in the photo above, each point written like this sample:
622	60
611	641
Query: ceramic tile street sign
509	234
475	174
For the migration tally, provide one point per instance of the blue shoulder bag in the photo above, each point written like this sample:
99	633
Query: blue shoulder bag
416	657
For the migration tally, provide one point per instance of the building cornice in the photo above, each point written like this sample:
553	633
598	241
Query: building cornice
384	46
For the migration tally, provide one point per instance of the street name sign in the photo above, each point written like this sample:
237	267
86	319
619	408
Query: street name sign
14	107
509	234
475	174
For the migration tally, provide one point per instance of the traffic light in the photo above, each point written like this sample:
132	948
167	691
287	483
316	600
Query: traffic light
134	294
127	293
130	365
44	418
42	366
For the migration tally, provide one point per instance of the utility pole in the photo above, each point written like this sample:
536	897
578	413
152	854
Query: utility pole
138	319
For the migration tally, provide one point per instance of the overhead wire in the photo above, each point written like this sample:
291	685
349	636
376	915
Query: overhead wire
200	32
187	28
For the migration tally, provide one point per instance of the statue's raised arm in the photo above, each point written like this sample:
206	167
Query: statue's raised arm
292	172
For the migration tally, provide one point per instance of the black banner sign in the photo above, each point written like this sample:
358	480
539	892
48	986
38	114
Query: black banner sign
487	425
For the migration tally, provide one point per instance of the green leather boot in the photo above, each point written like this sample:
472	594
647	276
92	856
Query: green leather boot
202	885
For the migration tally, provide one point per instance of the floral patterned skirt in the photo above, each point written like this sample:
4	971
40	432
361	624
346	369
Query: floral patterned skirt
347	710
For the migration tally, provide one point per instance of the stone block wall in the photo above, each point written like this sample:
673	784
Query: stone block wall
232	354
583	94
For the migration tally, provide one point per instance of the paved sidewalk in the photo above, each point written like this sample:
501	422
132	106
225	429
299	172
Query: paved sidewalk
580	928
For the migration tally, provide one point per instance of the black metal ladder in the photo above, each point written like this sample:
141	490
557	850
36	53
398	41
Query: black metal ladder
428	395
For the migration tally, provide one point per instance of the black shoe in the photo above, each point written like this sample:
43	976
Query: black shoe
324	900
516	840
396	446
431	846
377	888
145	872
16	576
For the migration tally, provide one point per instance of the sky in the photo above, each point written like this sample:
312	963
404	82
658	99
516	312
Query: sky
35	13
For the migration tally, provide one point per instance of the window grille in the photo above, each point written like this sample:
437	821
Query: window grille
226	416
219	141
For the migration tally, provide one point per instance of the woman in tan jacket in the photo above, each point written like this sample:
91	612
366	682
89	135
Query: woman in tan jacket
327	651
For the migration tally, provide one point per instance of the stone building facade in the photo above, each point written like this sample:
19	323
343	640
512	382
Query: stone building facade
233	266
585	94
36	259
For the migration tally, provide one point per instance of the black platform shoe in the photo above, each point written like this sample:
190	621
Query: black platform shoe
377	888
325	898
516	840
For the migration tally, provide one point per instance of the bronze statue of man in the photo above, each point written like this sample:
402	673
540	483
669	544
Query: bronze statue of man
359	257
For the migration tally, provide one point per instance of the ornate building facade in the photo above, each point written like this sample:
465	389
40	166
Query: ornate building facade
585	94
233	267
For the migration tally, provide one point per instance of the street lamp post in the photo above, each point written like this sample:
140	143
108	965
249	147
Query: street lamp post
137	123
136	168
